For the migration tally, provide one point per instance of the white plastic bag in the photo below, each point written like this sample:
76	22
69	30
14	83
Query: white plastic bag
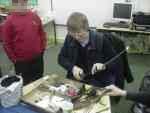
10	93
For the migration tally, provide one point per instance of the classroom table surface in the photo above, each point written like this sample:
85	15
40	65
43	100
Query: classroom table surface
34	91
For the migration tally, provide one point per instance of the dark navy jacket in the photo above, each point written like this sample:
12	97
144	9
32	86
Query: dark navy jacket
99	50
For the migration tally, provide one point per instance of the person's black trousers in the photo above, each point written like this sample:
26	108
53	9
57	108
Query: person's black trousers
30	70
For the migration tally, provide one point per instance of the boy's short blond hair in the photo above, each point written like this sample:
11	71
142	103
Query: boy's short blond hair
77	22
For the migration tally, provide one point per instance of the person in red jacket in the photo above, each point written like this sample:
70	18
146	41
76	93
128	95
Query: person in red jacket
0	32
25	41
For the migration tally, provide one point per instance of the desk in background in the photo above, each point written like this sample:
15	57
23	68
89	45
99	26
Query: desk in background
138	41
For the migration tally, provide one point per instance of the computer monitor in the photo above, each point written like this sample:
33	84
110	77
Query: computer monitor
122	11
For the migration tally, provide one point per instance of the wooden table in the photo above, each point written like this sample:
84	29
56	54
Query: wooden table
31	94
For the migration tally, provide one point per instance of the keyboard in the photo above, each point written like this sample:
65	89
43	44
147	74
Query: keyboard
116	24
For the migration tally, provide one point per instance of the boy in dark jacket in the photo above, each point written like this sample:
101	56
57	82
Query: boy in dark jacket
85	52
25	41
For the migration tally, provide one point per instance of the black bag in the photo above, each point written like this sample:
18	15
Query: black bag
145	87
141	18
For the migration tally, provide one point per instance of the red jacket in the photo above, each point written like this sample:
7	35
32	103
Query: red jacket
24	37
1	35
0	32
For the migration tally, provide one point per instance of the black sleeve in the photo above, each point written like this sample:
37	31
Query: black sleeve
109	53
142	97
119	46
127	71
63	58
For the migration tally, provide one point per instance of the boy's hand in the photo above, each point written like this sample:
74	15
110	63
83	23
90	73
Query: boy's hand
115	91
77	72
98	67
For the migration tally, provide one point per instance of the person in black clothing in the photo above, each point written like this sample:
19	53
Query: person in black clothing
125	71
142	97
125	74
85	52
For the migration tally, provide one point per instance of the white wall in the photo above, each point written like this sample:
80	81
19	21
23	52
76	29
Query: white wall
143	5
97	11
44	5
